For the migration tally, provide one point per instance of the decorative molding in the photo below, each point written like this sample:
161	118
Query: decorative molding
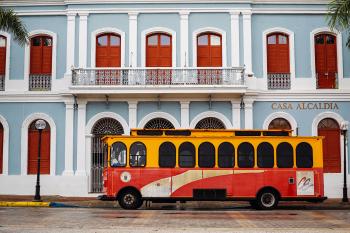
5	146
213	114
293	123
184	59
101	115
8	55
83	25
247	41
148	31
198	31
27	55
314	127
235	50
153	115
69	138
133	36
24	141
99	31
70	42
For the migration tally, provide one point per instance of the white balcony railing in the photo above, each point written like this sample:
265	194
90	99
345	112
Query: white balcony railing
157	76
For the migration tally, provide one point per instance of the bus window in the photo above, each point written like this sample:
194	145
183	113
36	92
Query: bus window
226	156
265	155
118	154
284	155
167	155
304	155
137	154
245	155
187	155
206	155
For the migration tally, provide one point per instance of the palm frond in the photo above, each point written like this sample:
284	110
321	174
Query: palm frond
11	23
339	16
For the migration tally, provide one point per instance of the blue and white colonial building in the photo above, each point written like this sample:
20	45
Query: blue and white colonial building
96	67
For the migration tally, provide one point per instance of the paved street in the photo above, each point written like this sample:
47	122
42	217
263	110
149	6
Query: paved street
172	218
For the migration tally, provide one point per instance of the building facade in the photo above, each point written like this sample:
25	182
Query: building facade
98	67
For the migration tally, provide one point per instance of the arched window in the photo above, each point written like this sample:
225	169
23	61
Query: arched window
326	60
245	155
108	50
187	155
226	155
137	155
41	55
158	50
330	129
285	155
278	53
265	155
304	155
118	154
280	123
3	44
167	155
1	146
159	123
206	155
210	123
209	50
33	146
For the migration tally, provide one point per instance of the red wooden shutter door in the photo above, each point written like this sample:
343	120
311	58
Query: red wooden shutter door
47	55
36	55
33	144
3	55
278	54
331	150
45	152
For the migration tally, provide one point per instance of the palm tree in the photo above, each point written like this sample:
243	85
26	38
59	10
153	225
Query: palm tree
339	16
11	23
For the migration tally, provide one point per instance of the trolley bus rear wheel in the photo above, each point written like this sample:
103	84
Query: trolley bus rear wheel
267	200
130	199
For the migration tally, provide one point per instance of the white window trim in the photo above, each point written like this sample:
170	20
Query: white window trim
89	126
339	50
148	31
99	31
335	116
223	46
5	149
8	55
293	123
213	114
24	142
27	55
291	51
164	115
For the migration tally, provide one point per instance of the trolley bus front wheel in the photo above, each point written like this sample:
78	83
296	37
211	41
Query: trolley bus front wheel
267	199
130	199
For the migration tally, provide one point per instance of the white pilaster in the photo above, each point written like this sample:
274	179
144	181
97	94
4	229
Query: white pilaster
83	16
247	42
184	38
68	159
70	42
133	39
248	113
132	115
235	38
236	114
185	114
81	163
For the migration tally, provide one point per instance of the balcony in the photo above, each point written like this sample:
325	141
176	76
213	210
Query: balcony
157	80
278	81
39	82
2	82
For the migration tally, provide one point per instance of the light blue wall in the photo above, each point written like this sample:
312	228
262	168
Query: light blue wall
121	108
16	113
217	20
146	21
118	21
223	107
346	56
145	108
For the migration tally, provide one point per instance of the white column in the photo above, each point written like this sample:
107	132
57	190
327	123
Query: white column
185	114
70	42
133	39
68	151
81	168
83	39
235	38
132	115
184	38
236	114
247	42
248	113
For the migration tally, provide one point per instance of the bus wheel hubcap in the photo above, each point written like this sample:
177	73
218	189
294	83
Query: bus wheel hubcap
268	199
129	199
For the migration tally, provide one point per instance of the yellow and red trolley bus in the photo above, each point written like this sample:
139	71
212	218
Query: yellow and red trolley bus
259	166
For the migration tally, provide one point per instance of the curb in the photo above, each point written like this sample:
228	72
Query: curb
24	204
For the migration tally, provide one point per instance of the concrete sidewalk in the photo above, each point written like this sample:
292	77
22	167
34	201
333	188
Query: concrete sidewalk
92	202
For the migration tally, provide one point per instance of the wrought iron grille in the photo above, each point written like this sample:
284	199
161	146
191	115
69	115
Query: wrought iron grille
39	82
157	76
278	81
210	123
2	82
105	126
159	123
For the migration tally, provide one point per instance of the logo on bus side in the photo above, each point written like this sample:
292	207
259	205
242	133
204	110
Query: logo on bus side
125	177
305	183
